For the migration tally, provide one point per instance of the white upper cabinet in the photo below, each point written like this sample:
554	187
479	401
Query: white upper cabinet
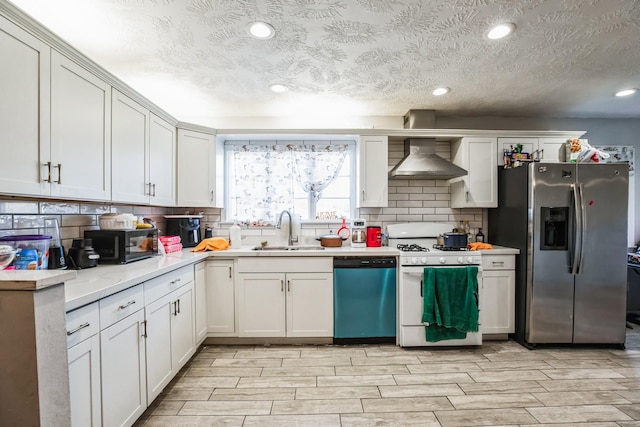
372	183
196	169
162	162
129	150
80	132
143	154
479	188
24	112
549	149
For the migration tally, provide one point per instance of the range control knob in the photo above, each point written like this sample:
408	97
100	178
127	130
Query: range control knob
441	260
470	260
423	260
460	260
414	260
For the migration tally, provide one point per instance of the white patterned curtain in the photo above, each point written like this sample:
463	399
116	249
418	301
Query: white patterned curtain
265	176
316	166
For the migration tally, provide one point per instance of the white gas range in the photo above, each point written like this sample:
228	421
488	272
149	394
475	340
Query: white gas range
417	241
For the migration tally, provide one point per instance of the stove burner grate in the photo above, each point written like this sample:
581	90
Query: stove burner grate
449	248
411	248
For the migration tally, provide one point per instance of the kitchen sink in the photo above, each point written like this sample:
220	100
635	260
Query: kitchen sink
287	248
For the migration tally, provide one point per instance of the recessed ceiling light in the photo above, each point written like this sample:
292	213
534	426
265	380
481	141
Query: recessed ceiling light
278	88
626	92
500	31
440	91
261	30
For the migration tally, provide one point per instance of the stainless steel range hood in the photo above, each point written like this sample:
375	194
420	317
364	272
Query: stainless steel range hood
421	161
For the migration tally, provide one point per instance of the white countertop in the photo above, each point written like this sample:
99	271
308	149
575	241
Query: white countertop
86	286
33	280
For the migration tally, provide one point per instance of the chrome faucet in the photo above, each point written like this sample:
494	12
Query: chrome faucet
279	225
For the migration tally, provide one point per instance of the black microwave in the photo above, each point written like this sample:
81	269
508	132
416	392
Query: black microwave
123	246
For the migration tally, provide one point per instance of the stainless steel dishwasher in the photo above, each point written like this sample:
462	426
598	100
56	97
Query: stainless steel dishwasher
364	299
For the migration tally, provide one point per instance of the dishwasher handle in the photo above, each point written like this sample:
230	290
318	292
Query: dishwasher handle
364	262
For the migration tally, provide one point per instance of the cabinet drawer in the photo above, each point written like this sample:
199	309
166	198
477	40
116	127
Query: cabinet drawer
498	262
82	323
285	265
162	285
120	305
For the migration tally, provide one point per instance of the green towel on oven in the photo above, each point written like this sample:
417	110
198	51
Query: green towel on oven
450	302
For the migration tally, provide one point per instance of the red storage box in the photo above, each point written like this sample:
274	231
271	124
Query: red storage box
169	240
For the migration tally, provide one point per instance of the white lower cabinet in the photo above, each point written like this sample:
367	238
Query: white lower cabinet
200	300
124	385
170	339
220	302
286	305
497	313
83	343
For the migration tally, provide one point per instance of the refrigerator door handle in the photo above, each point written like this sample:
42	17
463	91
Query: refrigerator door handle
583	228
576	250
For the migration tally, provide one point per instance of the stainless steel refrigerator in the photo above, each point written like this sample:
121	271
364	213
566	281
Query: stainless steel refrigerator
570	223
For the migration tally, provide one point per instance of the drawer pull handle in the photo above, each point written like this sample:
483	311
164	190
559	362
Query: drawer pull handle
173	282
122	307
73	331
497	263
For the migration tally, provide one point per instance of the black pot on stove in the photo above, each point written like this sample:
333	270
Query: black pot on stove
455	240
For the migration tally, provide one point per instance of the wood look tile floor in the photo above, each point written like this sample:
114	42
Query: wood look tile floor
498	384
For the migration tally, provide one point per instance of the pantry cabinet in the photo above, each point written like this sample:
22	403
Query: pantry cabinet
549	149
220	298
278	299
497	313
196	169
479	188
80	132
372	167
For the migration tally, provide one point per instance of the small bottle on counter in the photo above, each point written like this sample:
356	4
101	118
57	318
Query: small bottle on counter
480	236
384	237
235	236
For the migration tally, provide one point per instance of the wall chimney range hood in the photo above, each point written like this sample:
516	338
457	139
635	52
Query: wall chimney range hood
421	161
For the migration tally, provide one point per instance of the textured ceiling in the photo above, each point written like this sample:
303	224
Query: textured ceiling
361	57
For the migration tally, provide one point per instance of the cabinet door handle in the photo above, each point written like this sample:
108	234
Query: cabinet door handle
48	165
122	307
59	166
229	272
466	196
73	331
148	193
288	285
211	195
363	196
154	190
281	285
144	325
178	305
